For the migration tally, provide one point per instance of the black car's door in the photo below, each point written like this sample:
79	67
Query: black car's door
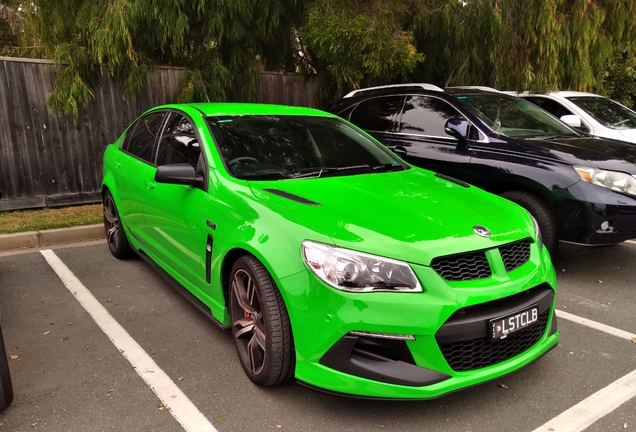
377	116
420	138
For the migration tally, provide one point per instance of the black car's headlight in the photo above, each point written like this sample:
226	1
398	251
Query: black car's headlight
614	180
352	271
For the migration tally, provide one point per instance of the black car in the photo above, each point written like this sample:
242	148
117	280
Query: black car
581	189
6	389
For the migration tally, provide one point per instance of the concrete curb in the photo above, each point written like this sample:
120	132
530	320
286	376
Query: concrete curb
51	237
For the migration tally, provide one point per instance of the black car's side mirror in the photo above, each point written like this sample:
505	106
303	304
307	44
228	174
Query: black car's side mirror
180	173
458	128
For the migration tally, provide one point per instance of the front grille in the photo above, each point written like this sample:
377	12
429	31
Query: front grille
516	254
462	267
481	352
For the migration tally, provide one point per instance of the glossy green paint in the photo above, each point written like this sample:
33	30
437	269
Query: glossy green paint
409	215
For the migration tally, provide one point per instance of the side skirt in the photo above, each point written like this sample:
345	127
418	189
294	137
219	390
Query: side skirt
180	289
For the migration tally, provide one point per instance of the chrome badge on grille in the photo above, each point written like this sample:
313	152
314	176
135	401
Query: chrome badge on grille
481	231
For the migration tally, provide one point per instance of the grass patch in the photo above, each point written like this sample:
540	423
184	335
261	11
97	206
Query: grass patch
36	220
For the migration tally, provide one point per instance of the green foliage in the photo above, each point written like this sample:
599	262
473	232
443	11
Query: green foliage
620	79
361	40
537	45
223	45
74	80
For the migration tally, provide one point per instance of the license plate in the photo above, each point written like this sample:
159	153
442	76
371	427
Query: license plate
500	328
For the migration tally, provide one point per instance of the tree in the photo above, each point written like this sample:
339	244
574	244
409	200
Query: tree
537	45
620	78
224	45
360	41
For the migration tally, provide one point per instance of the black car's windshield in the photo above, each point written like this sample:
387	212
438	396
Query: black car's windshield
262	147
513	116
606	111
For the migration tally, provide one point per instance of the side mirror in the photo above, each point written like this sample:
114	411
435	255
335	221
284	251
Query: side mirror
181	173
571	120
457	128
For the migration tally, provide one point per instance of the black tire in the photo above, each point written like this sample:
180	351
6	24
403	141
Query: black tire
6	387
115	234
260	324
542	213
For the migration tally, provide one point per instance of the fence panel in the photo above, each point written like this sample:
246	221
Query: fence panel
48	161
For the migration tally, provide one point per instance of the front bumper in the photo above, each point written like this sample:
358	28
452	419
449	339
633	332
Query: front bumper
585	207
332	355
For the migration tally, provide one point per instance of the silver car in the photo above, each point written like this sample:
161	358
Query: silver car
590	113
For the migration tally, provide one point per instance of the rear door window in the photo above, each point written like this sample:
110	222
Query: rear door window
376	114
144	134
554	108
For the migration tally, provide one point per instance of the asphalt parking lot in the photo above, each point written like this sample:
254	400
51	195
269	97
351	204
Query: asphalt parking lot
70	374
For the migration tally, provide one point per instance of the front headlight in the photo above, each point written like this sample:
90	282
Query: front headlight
614	180
352	271
537	231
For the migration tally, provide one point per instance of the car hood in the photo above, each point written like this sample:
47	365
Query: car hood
411	215
628	133
605	153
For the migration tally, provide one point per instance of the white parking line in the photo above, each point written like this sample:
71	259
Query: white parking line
596	325
181	408
601	403
630	241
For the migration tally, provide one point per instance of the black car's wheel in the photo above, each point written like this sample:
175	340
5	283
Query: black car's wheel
260	324
542	213
6	387
115	235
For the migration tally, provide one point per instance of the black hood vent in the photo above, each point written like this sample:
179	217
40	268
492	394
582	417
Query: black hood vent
292	197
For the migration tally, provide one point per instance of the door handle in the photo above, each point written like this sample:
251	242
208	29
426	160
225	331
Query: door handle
150	184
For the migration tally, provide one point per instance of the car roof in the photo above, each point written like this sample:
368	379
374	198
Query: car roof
393	87
574	93
240	108
471	90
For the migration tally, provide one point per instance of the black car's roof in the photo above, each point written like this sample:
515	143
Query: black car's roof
455	91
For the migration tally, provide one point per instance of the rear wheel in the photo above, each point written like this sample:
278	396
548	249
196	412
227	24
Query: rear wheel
541	211
260	324
6	388
115	235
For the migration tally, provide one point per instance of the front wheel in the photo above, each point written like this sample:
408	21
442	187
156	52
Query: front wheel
260	324
6	388
541	211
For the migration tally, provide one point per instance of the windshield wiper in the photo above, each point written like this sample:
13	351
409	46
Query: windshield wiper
388	167
325	170
549	137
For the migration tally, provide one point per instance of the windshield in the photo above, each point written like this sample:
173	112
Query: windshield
513	116
286	147
606	111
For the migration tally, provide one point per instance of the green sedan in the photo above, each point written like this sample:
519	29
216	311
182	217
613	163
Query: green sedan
332	261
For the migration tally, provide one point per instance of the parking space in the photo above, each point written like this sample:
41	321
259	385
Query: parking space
70	377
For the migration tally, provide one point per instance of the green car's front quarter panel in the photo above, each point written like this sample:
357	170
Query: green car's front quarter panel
327	315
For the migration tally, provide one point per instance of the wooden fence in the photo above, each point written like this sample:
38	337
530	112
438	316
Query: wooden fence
49	161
